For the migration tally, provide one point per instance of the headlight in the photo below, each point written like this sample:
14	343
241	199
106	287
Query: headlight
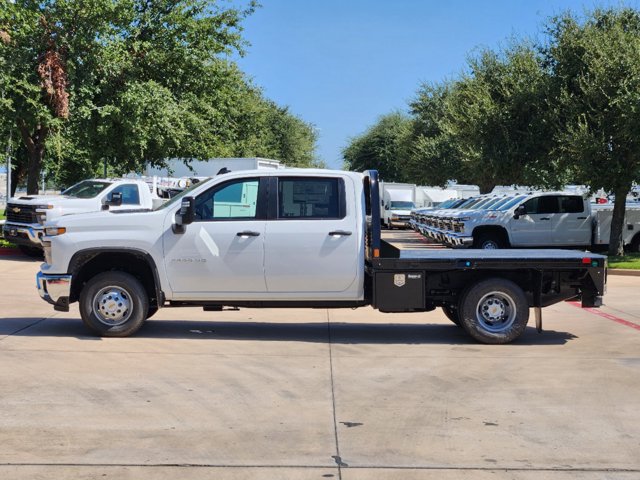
54	231
44	207
464	219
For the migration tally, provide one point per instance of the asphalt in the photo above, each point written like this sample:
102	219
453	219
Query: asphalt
313	394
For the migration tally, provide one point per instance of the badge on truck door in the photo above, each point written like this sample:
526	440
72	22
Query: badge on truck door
399	279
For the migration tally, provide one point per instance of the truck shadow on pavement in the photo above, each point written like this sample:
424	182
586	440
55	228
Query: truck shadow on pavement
313	332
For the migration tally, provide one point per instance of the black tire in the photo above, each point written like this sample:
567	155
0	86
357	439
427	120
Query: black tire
152	311
452	314
114	304
33	252
490	241
494	311
634	247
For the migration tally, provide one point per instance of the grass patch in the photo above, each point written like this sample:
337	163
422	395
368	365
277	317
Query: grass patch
6	244
629	261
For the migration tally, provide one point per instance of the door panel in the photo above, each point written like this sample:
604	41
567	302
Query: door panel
313	243
221	254
535	227
573	225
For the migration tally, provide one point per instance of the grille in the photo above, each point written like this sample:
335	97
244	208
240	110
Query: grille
24	213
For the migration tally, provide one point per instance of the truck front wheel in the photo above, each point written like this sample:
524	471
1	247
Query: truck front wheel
114	304
489	241
494	311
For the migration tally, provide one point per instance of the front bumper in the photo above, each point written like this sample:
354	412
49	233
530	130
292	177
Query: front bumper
23	234
55	289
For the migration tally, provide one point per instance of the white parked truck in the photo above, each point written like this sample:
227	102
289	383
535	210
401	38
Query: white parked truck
293	238
27	214
540	219
398	199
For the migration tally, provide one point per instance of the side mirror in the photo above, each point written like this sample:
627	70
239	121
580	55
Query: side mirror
519	212
115	199
185	215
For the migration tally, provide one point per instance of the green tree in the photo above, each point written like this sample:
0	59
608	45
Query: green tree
381	147
596	72
434	155
497	116
127	81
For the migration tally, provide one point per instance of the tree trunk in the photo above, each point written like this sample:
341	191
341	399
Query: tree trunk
35	145
616	245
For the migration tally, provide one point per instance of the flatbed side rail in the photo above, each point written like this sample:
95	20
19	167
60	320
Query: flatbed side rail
372	211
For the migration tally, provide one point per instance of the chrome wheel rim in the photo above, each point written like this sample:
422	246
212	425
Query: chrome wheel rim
490	245
112	306
496	312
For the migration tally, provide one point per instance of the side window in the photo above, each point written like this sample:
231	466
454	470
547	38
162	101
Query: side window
548	204
545	204
531	206
308	197
130	194
571	204
233	200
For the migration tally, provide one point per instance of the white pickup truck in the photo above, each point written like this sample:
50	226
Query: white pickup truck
542	219
293	238
26	215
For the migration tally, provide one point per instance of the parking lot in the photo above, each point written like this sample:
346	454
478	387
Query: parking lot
312	394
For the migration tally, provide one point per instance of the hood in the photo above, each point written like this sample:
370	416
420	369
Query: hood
105	220
33	199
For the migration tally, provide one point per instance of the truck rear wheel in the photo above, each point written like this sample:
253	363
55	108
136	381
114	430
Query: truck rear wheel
114	304
494	311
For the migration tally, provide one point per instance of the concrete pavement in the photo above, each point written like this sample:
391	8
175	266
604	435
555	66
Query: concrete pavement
297	394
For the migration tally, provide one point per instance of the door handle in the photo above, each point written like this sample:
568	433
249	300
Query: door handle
339	233
582	218
248	234
545	218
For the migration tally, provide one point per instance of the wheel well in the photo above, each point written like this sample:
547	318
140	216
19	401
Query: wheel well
500	232
85	266
634	244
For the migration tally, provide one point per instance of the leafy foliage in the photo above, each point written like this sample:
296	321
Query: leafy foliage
381	147
133	82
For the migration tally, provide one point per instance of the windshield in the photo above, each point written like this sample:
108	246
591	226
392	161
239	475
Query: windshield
469	201
511	203
86	189
178	197
402	205
481	203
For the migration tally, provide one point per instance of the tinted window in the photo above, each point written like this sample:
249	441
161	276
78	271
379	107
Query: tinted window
130	194
310	198
233	200
546	204
572	204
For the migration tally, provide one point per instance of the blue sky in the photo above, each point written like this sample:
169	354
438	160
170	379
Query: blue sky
340	64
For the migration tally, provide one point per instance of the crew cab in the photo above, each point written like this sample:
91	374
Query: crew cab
293	238
27	215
